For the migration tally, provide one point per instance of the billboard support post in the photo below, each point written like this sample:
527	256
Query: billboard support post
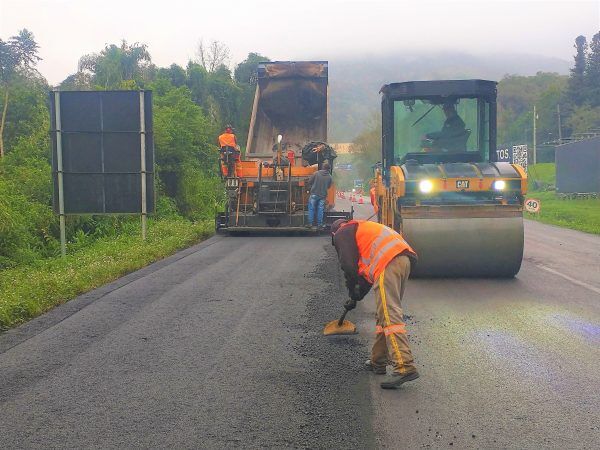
59	173
143	163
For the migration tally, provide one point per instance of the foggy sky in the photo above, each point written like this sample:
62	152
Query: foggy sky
302	29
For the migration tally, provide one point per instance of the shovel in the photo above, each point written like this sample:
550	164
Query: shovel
339	326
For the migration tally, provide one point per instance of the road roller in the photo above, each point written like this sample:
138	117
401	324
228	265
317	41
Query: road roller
440	184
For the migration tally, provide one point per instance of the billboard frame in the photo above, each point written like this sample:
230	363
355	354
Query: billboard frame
58	132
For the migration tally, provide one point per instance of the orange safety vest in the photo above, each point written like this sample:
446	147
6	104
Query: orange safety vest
227	140
377	246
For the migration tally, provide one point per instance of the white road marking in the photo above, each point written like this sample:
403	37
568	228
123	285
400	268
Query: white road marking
572	280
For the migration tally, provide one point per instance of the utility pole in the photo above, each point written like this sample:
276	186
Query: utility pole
559	125
534	135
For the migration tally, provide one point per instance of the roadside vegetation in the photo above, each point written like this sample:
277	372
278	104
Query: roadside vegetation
191	106
581	214
29	290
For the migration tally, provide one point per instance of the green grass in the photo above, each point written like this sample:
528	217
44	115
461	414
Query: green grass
542	176
582	215
28	291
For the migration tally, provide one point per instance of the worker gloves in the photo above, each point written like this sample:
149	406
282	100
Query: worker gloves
355	296
355	293
350	305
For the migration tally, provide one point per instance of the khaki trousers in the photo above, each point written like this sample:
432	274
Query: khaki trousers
391	344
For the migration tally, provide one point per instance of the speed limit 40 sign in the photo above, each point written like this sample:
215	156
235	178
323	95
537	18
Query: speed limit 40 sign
532	205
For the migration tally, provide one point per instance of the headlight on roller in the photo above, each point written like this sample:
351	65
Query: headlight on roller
425	186
499	185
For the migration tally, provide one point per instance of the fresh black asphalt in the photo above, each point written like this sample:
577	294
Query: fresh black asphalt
220	347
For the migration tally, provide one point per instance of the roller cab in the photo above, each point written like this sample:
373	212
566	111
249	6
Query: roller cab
439	183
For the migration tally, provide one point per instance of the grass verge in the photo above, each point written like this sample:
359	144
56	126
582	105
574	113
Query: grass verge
582	215
542	175
28	291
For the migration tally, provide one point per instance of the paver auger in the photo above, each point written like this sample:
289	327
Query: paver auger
440	185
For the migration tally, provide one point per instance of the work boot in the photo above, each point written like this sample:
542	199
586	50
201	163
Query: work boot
377	370
396	380
308	225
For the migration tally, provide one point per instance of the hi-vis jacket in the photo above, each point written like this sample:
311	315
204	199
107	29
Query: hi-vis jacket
364	249
227	140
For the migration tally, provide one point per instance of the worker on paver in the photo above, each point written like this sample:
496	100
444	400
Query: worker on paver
319	183
372	254
230	151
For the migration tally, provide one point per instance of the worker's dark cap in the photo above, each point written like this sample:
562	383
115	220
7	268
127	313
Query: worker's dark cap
337	224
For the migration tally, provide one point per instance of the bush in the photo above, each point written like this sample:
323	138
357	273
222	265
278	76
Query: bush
25	227
198	195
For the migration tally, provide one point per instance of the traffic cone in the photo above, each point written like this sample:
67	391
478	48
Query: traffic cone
360	200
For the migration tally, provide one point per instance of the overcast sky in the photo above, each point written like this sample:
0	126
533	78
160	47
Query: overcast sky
309	29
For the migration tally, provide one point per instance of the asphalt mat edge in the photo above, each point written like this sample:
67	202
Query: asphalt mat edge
14	336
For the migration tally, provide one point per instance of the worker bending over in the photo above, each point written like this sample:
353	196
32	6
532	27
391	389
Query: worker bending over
372	254
230	153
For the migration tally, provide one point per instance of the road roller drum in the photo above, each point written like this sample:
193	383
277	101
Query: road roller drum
466	247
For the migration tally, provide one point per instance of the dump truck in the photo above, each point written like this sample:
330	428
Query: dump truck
440	184
286	145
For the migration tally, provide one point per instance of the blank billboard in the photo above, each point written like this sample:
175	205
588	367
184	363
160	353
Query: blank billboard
578	167
100	137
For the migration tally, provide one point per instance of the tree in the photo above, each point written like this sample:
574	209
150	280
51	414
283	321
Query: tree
175	74
197	82
246	70
245	77
366	148
18	57
584	119
116	67
592	71
77	82
516	97
226	97
576	89
213	55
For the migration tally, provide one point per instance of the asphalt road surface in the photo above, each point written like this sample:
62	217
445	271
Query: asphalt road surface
220	346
